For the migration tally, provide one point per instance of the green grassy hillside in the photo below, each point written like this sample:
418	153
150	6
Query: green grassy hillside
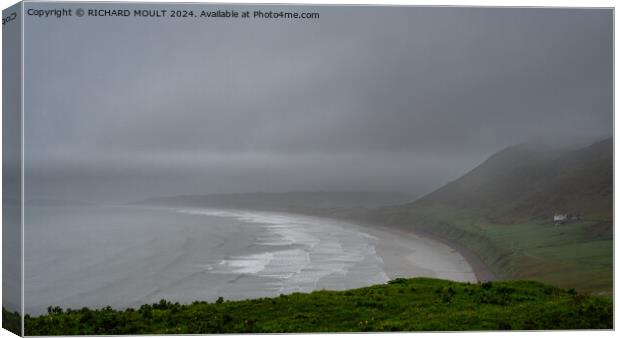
503	212
402	305
531	181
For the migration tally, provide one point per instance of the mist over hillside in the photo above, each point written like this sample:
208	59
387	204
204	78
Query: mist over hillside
525	182
503	212
397	99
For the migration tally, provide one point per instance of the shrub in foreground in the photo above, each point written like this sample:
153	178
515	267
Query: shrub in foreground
418	304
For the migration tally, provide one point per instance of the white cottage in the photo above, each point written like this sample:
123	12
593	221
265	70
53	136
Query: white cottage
560	218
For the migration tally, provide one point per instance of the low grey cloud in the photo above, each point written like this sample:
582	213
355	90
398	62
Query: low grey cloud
364	98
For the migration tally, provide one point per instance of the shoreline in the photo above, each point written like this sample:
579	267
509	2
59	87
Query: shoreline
383	252
480	270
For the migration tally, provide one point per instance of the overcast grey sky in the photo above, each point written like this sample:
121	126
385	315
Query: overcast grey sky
364	98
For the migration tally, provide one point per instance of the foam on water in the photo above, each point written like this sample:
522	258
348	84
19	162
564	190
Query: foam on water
129	256
322	248
248	264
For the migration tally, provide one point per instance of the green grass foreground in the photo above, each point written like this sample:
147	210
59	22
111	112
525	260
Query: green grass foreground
11	321
401	305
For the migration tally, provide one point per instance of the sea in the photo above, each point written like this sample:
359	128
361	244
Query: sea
127	256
